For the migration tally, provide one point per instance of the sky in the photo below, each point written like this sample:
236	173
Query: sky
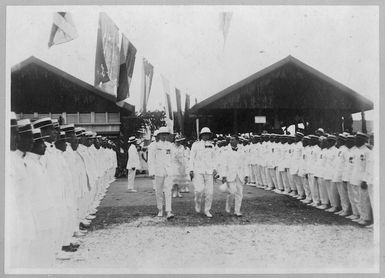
186	45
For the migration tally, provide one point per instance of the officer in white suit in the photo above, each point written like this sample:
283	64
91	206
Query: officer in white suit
151	149
133	163
162	166
202	170
234	172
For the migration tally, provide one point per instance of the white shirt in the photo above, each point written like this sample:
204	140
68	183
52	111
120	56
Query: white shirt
339	163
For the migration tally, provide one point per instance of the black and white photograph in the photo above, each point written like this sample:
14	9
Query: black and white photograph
192	139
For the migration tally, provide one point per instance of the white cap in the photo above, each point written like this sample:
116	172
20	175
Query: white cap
164	129
205	130
132	139
156	132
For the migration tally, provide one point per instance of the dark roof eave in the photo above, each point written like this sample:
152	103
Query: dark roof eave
33	60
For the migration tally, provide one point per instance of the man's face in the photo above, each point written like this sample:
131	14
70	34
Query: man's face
74	141
26	142
360	141
233	141
15	138
39	147
163	137
61	145
205	136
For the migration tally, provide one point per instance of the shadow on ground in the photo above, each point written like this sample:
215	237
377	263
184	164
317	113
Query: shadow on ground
258	206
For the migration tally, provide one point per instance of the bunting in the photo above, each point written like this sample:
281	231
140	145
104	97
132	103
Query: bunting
63	29
127	62
107	55
179	110
168	107
147	74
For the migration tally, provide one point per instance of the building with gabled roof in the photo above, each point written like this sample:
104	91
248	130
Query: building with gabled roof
39	89
287	92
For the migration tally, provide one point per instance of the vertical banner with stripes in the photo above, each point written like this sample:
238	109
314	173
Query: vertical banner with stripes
168	107
147	74
179	110
127	62
107	55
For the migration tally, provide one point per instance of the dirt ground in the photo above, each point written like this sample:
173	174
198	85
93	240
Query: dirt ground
276	234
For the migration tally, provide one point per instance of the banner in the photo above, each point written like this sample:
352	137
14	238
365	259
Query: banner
147	74
187	104
63	29
107	55
179	110
127	62
224	24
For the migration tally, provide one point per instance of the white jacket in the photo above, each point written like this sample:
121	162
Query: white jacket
234	164
133	158
203	158
162	159
359	165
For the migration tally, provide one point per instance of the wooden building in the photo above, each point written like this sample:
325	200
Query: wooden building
286	93
39	90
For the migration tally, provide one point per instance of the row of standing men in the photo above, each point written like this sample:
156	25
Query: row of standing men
57	178
330	172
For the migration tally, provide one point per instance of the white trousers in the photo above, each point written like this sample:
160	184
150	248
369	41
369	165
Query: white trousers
343	192
279	180
332	190
203	185
236	193
354	198
323	192
314	189
131	179
365	207
163	185
299	185
306	188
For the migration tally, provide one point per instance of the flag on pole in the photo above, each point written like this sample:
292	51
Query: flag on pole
63	29
107	59
147	74
166	89
224	24
179	110
127	62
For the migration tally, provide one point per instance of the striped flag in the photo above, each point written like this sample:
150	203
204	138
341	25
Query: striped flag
179	109
166	89
127	62
148	72
107	55
63	29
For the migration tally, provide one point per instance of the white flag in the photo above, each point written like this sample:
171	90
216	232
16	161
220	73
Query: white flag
224	24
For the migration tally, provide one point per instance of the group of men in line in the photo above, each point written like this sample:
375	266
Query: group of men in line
326	171
57	178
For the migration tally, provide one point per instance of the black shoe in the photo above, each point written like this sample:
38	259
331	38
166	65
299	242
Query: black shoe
75	245
82	226
69	248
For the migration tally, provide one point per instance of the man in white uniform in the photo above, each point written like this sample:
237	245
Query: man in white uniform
162	167
133	164
202	170
151	148
234	172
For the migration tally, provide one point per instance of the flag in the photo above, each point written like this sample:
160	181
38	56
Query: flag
147	74
127	62
187	103
179	110
107	59
224	24
166	89
63	29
